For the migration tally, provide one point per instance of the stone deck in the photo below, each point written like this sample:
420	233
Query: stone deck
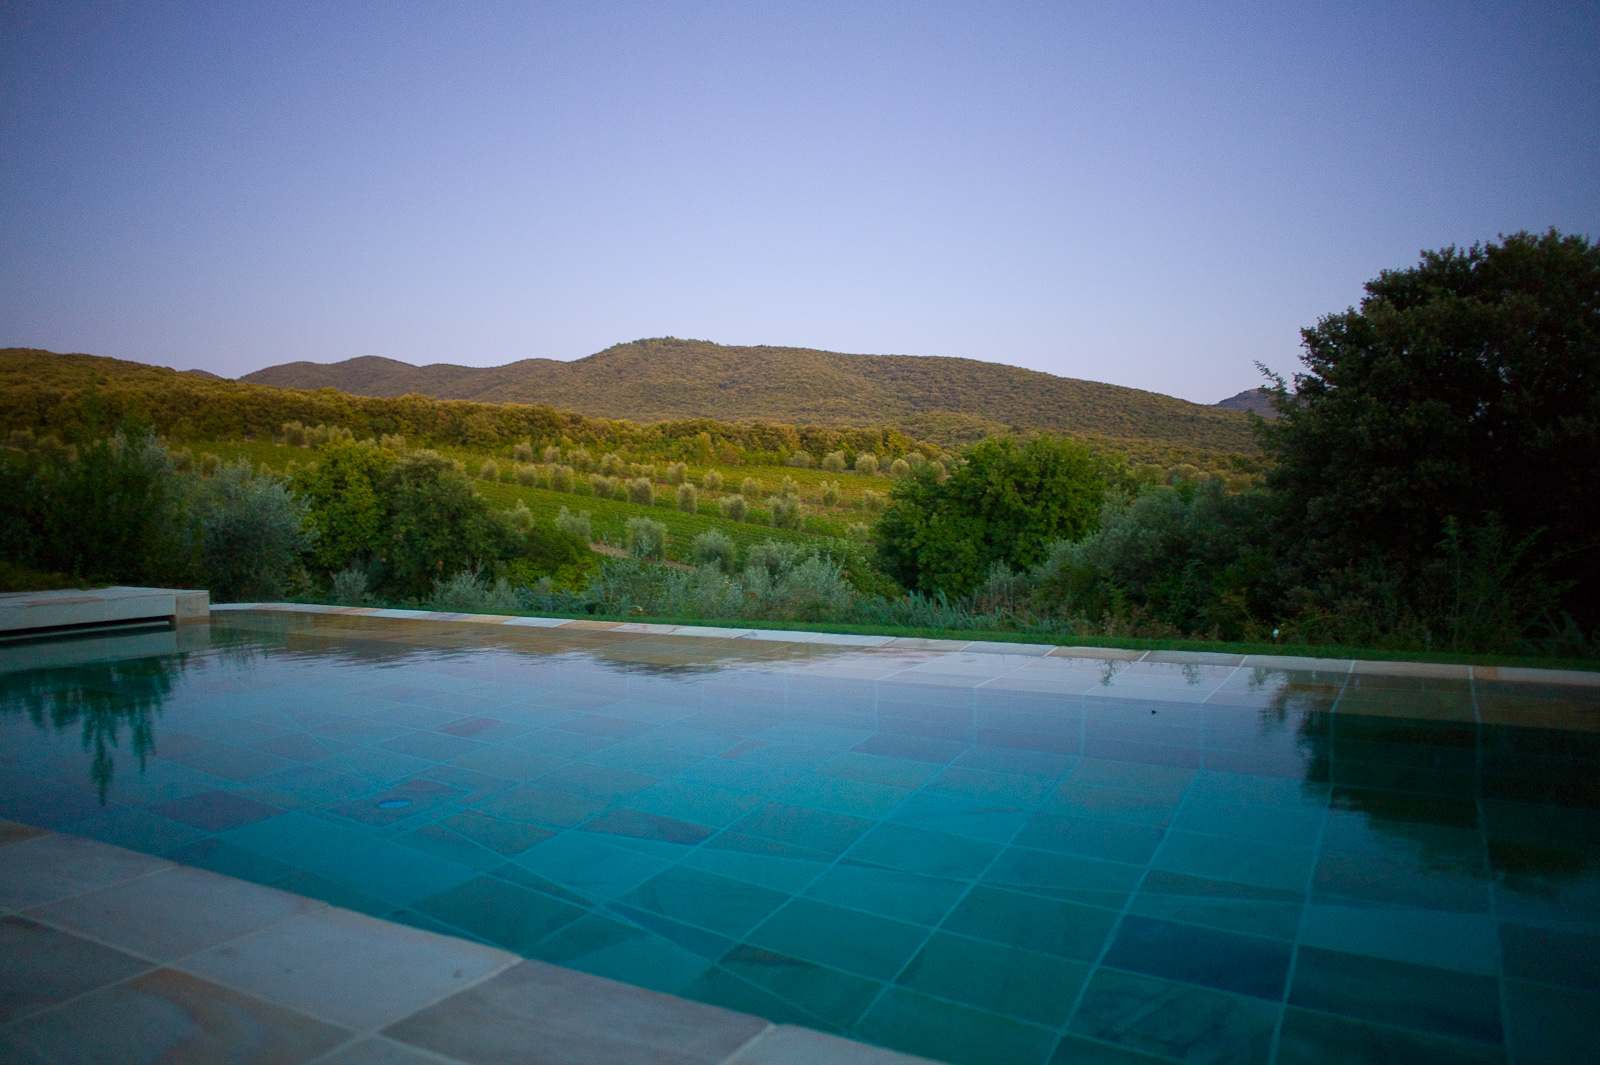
25	613
108	956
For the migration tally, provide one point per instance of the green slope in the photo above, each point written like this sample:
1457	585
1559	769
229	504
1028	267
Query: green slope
666	378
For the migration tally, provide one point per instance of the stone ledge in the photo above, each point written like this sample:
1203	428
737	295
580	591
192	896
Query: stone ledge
67	609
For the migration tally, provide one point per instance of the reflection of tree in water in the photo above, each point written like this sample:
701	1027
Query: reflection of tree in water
1425	784
102	697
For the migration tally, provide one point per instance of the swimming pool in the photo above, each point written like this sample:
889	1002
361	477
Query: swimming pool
979	857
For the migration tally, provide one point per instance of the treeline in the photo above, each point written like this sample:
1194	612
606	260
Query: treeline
82	397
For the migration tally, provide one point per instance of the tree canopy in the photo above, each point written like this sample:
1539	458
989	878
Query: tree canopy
1006	503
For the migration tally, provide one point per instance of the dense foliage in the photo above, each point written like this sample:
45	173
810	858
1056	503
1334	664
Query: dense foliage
1005	504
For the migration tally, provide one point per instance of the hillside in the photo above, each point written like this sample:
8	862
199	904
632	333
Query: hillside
664	379
1251	399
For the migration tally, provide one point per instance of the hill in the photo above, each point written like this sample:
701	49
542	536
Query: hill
663	379
1251	399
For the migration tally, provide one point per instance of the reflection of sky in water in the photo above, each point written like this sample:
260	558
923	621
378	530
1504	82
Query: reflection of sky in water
940	808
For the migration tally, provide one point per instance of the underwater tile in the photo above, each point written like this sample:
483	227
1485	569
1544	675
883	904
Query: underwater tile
918	850
856	942
1132	776
1245	965
299	839
695	802
731	907
1401	994
333	892
539	805
402	801
822	830
719	987
879	769
1232	859
1042	764
441	842
1551	956
917	1024
1112	804
1092	838
220	856
586	865
786	874
134	829
842	795
1549	1025
1310	1037
1341	878
1175	1020
500	913
616	950
596	782
1281	824
1023	984
1071	878
888	892
1065	929
837	997
960	815
499	835
911	748
1457	941
635	824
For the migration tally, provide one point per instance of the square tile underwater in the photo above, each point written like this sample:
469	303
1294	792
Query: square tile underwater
973	857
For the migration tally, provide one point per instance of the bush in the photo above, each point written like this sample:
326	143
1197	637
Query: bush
915	459
294	434
581	460
437	525
899	468
787	510
1008	503
860	532
343	498
751	489
562	478
601	486
611	464
527	476
733	507
789	487
677	473
255	534
711	481
715	548
641	491
576	525
875	502
688	498
210	463
351	587
833	462
830	493
867	464
800	460
647	538
522	452
396	443
552	455
490	470
469	592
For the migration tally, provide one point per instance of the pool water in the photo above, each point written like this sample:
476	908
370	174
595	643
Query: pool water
975	857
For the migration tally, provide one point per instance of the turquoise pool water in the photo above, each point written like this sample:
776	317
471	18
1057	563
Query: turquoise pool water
976	857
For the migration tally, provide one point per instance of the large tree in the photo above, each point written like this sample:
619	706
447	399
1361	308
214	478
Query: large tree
1464	392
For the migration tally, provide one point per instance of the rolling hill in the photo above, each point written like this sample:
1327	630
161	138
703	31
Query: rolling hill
666	378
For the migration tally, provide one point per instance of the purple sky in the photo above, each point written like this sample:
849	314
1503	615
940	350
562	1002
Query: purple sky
1156	195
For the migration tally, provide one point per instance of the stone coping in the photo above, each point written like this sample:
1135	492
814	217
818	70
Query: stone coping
70	608
1438	670
111	955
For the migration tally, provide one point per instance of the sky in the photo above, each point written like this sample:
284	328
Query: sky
1158	195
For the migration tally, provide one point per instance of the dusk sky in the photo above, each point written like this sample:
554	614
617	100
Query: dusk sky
1155	195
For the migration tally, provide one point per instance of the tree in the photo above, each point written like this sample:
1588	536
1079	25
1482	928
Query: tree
342	494
1007	503
437	524
1466	387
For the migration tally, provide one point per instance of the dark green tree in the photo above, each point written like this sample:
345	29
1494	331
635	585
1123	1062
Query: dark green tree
437	524
1466	387
1007	503
342	493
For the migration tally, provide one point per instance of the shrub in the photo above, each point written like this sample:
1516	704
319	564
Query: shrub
611	464
552	455
345	506
647	538
915	459
688	498
874	501
255	533
641	491
210	463
867	464
1007	504
469	592
899	468
182	459
787	511
858	531
490	470
581	460
830	493
577	525
715	548
833	462
20	439
396	443
527	476
522	452
751	489
350	587
562	478
800	460
711	481
601	486
789	487
294	434
677	473
733	507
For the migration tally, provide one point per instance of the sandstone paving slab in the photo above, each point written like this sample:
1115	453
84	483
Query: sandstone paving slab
47	868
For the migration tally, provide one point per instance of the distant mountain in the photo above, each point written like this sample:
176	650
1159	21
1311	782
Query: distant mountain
1251	399
667	378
